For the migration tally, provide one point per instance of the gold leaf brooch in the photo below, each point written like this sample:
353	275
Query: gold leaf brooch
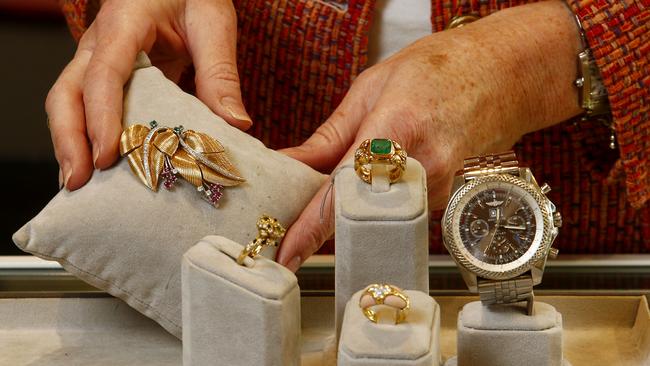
164	152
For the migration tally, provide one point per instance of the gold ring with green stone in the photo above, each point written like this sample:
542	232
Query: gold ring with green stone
379	152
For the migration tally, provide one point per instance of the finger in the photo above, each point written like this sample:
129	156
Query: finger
65	111
307	234
120	36
212	37
327	145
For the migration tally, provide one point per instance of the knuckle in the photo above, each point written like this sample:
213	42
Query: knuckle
314	237
50	99
54	96
406	126
368	75
112	14
372	78
86	38
365	76
223	71
99	74
329	134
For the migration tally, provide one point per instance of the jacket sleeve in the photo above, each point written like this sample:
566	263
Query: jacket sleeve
79	14
618	33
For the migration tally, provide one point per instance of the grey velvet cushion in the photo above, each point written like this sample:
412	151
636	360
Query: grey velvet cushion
121	237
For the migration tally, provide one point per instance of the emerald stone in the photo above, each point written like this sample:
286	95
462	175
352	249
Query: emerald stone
381	146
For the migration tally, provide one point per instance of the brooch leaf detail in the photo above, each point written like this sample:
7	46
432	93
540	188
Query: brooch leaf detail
169	153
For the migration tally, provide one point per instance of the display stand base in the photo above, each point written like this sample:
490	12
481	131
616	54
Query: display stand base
416	342
454	362
238	315
381	233
499	335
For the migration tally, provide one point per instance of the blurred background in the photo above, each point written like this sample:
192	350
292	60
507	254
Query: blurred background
36	46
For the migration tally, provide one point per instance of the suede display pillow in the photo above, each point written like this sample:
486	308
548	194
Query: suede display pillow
122	237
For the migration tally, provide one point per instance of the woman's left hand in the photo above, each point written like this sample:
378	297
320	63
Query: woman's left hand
453	94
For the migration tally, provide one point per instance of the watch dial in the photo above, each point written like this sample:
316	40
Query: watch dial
597	87
498	224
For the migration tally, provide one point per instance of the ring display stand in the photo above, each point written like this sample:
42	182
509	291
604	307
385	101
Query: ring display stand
415	342
498	335
238	315
381	233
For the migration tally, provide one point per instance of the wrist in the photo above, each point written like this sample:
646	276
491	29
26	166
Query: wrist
530	54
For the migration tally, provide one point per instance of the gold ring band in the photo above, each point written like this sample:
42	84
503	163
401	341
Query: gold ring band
384	294
379	152
269	233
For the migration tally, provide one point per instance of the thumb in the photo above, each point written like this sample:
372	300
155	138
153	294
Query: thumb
211	28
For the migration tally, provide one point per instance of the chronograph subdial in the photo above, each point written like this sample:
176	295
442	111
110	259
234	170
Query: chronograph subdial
503	250
515	222
479	228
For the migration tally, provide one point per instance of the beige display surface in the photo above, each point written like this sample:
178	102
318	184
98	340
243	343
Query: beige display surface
598	330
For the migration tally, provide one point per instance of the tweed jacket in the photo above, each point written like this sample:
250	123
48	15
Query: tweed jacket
297	59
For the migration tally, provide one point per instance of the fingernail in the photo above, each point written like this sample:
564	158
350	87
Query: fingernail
60	178
236	110
294	264
96	151
67	173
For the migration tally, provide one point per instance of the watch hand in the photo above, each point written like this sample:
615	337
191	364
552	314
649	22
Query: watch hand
497	221
494	233
513	227
508	196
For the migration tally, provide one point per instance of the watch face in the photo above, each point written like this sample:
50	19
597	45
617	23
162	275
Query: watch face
498	223
498	226
597	89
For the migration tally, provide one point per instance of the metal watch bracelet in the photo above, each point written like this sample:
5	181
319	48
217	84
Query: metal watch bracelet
502	163
507	291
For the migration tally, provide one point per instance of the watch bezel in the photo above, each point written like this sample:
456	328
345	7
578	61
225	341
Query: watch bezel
511	269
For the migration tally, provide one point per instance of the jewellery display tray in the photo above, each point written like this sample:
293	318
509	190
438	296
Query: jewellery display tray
91	330
49	317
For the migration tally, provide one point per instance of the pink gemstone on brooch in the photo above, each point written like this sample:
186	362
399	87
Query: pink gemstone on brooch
214	193
211	192
169	175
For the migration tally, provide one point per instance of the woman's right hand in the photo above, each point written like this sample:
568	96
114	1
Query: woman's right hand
84	106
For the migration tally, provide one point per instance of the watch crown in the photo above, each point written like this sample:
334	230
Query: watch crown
553	252
545	188
557	219
579	82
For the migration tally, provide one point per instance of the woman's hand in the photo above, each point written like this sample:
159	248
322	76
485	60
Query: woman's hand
84	106
454	94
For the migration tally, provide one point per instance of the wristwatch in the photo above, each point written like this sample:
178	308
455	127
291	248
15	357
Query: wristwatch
499	227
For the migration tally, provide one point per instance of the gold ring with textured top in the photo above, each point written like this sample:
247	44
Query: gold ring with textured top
382	152
269	233
384	294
